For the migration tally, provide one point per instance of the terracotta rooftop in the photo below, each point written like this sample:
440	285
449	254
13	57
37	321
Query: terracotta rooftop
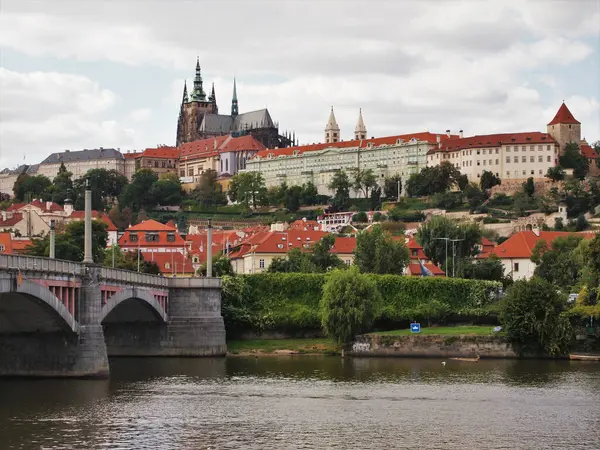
563	115
161	152
151	225
12	219
214	146
414	269
587	150
80	215
494	140
170	262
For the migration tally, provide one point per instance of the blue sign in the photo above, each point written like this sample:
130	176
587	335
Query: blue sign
415	327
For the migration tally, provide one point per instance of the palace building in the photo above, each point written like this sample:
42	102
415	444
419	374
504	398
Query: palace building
199	118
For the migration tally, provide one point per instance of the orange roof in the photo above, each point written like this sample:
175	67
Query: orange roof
563	115
151	225
282	242
344	245
170	262
80	215
415	251
362	143
11	219
305	225
521	244
587	150
201	147
241	143
162	152
45	207
19	245
414	269
133	155
494	140
6	243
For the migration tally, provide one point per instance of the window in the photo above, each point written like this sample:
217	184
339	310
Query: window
523	158
334	134
540	158
261	263
497	151
532	158
478	152
156	164
484	161
508	159
516	267
484	152
415	252
491	162
133	237
532	172
182	173
549	158
516	159
190	171
2	248
540	171
478	163
167	265
348	262
547	147
170	238
151	237
164	164
508	173
523	147
497	162
524	172
508	149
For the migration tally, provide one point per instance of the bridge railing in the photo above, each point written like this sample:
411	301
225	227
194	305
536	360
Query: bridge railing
37	263
133	278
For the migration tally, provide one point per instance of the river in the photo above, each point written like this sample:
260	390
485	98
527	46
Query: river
308	403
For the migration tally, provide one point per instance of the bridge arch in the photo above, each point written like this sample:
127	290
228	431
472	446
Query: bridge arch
50	311
139	296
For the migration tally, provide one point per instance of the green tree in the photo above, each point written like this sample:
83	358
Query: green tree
165	191
432	180
209	192
573	159
340	185
360	217
322	256
106	186
364	180
375	198
378	252
248	188
556	173
556	263
348	304
488	180
295	261
392	187
69	243
475	196
529	187
139	193
490	268
462	182
310	194
62	185
531	315
292	198
431	236
27	187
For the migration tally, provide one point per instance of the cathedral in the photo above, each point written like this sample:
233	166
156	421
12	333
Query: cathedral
199	118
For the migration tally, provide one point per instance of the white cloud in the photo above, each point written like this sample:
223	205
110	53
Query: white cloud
482	66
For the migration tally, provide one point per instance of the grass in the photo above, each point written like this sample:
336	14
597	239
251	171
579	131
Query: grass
321	346
445	331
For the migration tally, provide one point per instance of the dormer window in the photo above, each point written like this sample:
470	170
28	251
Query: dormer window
170	237
133	237
167	265
279	245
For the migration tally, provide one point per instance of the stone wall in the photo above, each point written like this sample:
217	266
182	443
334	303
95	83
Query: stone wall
432	346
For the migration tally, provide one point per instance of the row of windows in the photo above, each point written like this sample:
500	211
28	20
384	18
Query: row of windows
531	159
151	237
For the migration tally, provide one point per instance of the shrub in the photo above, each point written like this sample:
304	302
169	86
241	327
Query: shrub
348	305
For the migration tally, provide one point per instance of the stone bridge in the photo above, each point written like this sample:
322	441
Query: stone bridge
61	318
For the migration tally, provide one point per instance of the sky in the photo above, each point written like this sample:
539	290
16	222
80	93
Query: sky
110	73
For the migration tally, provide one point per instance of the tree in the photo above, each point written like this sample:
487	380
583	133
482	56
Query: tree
378	252
431	236
310	194
348	304
62	186
340	185
209	192
488	180
529	187
475	196
69	244
573	159
106	186
248	188
292	198
322	257
139	193
432	180
490	268
121	218
462	182
556	173
392	187
27	187
531	315
375	198
129	261
165	191
364	180
360	217
555	262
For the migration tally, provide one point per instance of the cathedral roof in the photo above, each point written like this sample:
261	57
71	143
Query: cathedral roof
217	123
253	119
563	115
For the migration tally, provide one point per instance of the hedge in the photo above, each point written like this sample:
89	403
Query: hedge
289	302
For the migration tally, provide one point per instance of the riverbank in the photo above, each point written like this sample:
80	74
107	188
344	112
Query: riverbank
278	347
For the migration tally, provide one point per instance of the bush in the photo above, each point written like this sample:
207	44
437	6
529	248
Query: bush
348	305
532	316
360	217
289	302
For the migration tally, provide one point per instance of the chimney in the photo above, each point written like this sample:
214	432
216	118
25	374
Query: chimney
536	230
438	139
460	134
448	133
48	205
4	216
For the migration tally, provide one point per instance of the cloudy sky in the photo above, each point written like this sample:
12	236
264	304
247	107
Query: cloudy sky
110	73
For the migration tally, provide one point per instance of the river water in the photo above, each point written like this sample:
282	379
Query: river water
309	403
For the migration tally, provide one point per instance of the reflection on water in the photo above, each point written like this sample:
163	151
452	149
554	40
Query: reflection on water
308	402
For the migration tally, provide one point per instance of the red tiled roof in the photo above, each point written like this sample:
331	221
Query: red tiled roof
133	155
11	219
587	150
15	206
414	269
151	225
161	152
344	245
494	140
412	246
521	244
6	243
241	143
45	207
170	262
563	115
362	143
305	225
20	244
201	147
80	215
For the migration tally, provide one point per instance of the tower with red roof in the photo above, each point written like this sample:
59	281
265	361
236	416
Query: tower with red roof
564	128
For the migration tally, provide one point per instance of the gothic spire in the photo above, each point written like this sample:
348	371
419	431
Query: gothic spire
332	130
360	132
185	94
198	94
234	101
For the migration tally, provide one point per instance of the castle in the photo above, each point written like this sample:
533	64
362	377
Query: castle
199	118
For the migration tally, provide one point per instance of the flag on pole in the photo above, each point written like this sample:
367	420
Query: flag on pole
425	272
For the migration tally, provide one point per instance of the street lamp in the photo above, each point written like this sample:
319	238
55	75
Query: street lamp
453	241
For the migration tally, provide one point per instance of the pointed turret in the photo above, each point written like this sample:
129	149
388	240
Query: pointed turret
564	128
185	98
563	115
198	94
360	131
234	101
332	130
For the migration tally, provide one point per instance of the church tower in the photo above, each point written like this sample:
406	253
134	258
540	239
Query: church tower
360	131
234	102
332	130
564	128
